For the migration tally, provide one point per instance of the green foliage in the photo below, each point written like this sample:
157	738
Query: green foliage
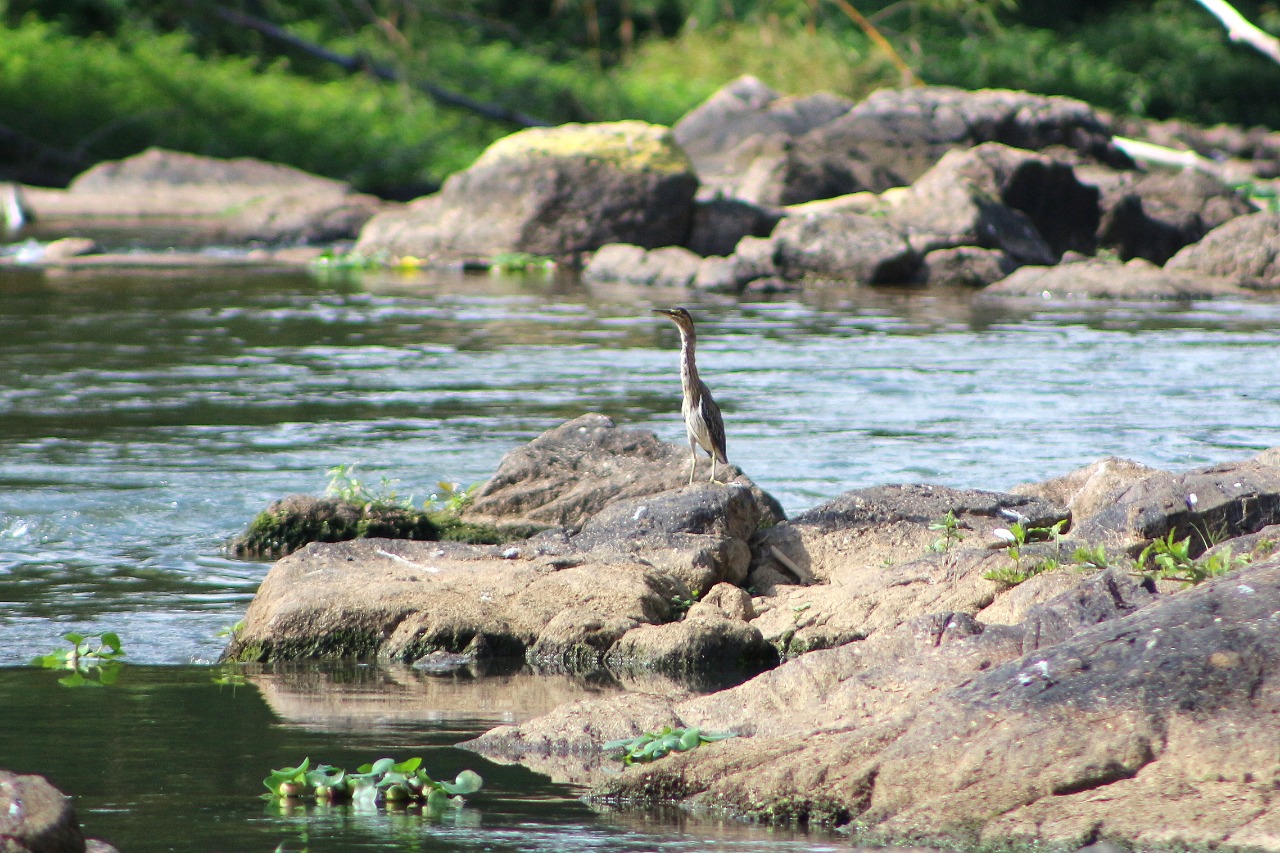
105	98
1163	59
384	782
651	746
1017	536
949	527
1091	557
90	666
680	604
345	486
1170	559
520	262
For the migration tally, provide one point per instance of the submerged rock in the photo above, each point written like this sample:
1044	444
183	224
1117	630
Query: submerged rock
35	817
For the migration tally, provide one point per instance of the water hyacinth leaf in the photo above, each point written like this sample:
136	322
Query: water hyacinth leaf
112	641
712	737
382	765
611	745
73	638
408	765
467	782
437	800
690	739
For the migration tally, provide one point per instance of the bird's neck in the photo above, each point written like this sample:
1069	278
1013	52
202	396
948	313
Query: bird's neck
688	368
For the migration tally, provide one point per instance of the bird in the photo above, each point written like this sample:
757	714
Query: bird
702	420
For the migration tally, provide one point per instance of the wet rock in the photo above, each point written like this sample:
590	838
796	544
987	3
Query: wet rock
966	266
35	817
843	246
206	199
398	600
1136	280
720	223
894	136
746	119
572	472
1155	215
709	650
1245	250
551	191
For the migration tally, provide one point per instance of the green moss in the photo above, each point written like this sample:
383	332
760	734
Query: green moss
451	528
633	146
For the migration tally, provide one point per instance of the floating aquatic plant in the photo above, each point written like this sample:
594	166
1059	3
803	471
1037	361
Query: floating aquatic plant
384	782
651	746
90	665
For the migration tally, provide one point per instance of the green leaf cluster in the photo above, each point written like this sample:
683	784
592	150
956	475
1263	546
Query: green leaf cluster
384	782
1169	559
94	660
651	746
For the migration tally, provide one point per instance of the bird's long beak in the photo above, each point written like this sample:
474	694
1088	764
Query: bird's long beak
661	310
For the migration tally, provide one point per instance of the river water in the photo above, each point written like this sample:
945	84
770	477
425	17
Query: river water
144	419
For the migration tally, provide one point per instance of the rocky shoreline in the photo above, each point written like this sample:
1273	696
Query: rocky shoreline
910	679
1008	193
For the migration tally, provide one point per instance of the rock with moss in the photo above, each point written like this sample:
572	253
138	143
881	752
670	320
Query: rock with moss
551	191
292	522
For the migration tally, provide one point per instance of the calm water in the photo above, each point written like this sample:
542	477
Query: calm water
166	760
145	420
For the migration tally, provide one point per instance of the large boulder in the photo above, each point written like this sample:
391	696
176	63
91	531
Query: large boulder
1029	206
625	543
551	191
729	131
202	200
572	472
845	247
894	136
1153	216
1245	250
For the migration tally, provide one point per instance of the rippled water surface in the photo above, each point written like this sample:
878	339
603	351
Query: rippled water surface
144	420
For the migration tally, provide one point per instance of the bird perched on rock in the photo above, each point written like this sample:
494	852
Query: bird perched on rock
702	418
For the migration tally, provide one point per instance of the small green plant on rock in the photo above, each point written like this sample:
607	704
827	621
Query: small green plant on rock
1091	557
651	746
383	783
1170	559
680	604
345	486
90	666
1016	537
949	527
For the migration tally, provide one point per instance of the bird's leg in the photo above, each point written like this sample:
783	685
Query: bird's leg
693	464
713	469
